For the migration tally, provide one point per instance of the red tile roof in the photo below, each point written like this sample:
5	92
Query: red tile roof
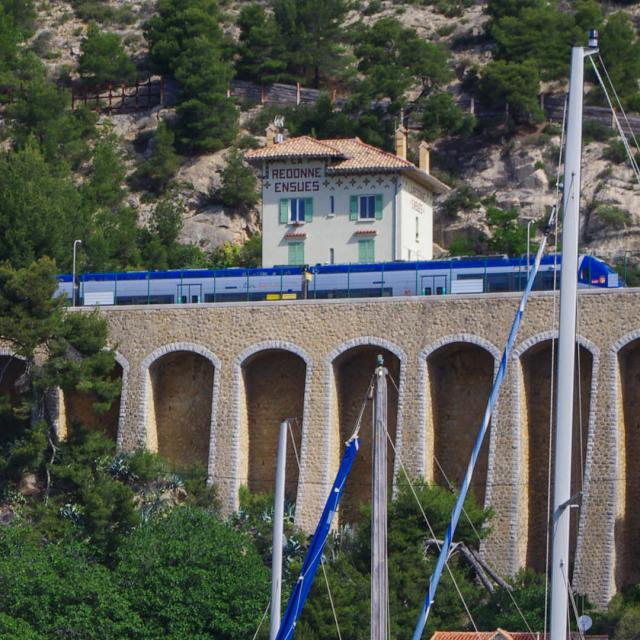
501	634
346	156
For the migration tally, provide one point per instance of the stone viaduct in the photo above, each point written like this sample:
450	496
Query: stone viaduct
208	384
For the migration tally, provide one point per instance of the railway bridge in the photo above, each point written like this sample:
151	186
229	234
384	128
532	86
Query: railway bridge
208	384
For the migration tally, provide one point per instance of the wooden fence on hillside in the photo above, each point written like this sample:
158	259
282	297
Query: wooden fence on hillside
119	99
114	99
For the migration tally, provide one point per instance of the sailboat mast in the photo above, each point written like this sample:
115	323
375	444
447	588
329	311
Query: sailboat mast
278	532
379	571
566	348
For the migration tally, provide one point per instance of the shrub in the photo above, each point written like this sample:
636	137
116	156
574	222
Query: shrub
218	584
103	58
613	216
238	189
443	117
593	130
462	199
156	173
615	152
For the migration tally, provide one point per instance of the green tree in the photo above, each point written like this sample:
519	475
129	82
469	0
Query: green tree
261	53
507	235
238	188
528	590
159	241
156	173
392	57
103	58
441	116
112	242
56	592
41	213
541	35
620	51
41	111
514	84
230	254
219	586
348	569
314	36
61	350
185	40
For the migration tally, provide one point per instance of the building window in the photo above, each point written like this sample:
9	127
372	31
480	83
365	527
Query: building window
366	250
332	256
332	204
296	210
417	229
296	253
367	207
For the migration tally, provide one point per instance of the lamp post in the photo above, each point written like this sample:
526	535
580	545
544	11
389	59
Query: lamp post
73	273
529	243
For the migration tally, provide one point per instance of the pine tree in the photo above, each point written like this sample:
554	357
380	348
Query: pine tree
156	173
103	58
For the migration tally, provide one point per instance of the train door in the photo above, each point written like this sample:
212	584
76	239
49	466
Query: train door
433	285
189	293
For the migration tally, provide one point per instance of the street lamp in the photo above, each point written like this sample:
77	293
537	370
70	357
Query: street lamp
73	273
529	243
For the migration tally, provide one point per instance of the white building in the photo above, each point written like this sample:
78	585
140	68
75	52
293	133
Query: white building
341	200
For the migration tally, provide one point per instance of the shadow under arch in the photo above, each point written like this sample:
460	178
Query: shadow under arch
350	368
272	383
78	406
626	380
535	358
457	376
180	384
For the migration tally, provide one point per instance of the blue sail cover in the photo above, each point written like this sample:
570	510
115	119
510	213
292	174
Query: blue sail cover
314	555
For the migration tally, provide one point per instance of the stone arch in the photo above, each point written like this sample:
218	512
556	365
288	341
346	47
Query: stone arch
204	435
429	433
241	444
531	405
624	362
77	406
337	415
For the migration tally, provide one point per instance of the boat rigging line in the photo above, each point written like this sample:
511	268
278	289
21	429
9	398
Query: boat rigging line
499	378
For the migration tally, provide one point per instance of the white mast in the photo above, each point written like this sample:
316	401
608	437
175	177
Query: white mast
379	572
278	526
567	345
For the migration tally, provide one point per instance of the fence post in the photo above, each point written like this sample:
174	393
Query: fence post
261	94
162	91
472	105
297	93
109	97
123	97
135	99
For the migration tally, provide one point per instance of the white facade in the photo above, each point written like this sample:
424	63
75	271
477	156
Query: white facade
358	217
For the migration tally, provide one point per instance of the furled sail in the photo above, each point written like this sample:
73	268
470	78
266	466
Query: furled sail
314	555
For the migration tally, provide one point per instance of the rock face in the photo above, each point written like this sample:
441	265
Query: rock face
520	170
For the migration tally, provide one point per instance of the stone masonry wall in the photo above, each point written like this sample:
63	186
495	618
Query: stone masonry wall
411	329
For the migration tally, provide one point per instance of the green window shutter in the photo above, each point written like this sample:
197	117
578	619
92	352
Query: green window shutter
308	209
284	211
296	253
353	208
379	206
366	250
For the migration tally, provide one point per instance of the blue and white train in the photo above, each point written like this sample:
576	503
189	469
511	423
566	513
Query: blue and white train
435	277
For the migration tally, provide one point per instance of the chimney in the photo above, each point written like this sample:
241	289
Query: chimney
401	142
425	157
272	131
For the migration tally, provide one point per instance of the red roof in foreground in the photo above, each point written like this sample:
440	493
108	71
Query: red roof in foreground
501	634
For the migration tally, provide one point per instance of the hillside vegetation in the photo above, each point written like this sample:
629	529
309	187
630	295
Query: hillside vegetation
166	187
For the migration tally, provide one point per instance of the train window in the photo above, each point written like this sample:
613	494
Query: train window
183	299
195	299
